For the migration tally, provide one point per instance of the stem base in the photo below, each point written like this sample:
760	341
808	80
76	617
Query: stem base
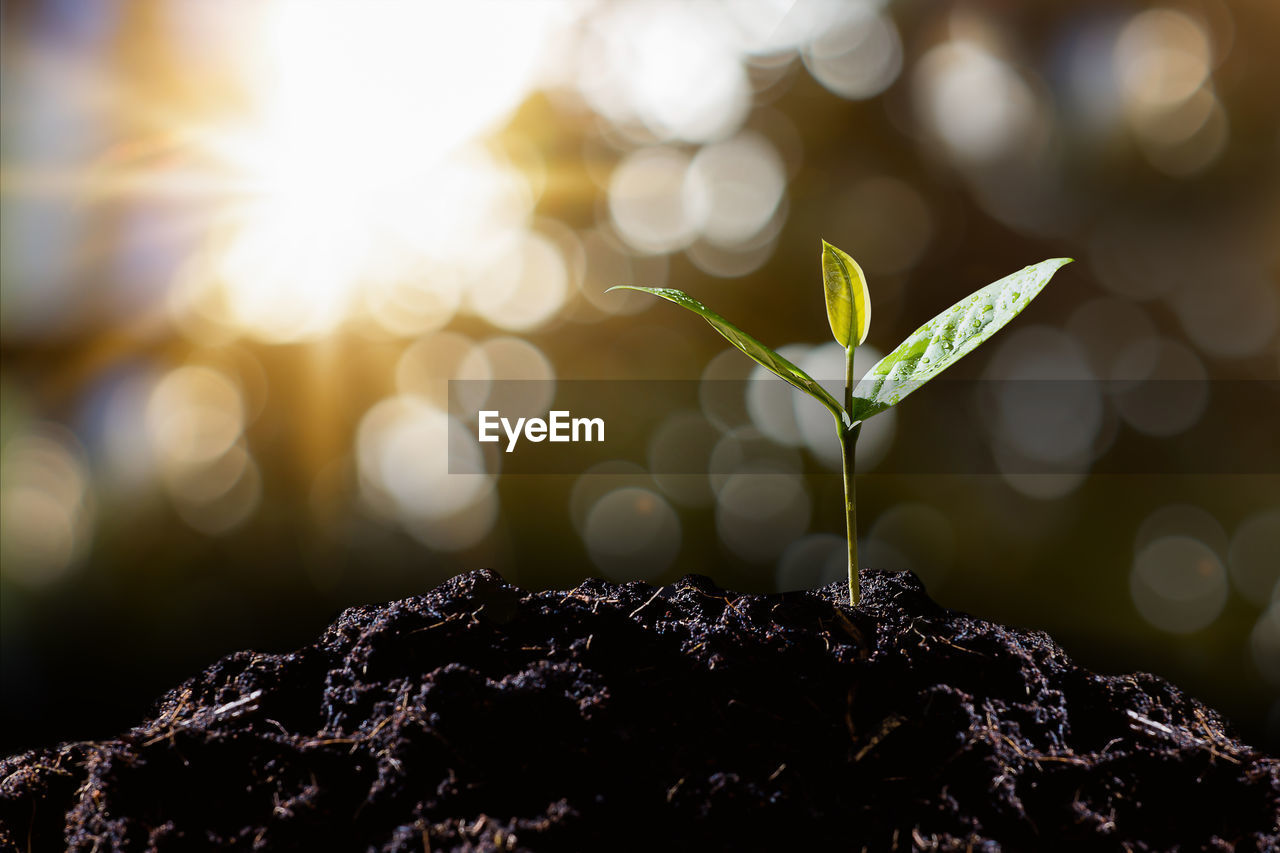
848	445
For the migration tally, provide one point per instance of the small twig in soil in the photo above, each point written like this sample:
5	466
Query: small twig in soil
886	726
1160	727
652	599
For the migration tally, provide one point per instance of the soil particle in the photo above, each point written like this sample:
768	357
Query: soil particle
483	717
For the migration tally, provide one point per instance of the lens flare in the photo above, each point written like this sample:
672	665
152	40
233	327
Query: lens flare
355	180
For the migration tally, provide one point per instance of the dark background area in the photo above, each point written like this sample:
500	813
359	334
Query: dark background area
245	246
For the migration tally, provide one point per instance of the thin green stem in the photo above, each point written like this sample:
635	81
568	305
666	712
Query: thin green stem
848	444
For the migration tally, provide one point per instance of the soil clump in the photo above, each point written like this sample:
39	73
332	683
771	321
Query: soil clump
480	716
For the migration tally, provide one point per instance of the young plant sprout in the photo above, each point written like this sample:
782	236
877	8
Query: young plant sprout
928	351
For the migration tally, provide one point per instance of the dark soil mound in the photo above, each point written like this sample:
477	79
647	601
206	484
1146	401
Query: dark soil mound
480	716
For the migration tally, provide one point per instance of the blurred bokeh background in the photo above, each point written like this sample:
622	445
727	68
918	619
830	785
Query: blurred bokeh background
246	244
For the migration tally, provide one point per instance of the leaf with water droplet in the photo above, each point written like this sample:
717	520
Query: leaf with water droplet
755	350
949	337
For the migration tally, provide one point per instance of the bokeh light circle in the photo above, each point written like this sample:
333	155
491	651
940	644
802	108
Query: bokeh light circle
911	536
743	179
679	455
976	104
417	464
858	57
1171	391
426	367
758	515
1048	408
194	415
1178	584
1236	317
1254	556
632	534
652	204
525	287
46	505
1264	642
814	561
1181	519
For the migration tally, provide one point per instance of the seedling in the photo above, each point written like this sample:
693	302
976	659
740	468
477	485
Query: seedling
928	351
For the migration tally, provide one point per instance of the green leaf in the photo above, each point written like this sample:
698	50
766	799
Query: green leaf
848	300
949	337
755	350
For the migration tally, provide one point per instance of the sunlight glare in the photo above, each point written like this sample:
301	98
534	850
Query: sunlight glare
357	113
